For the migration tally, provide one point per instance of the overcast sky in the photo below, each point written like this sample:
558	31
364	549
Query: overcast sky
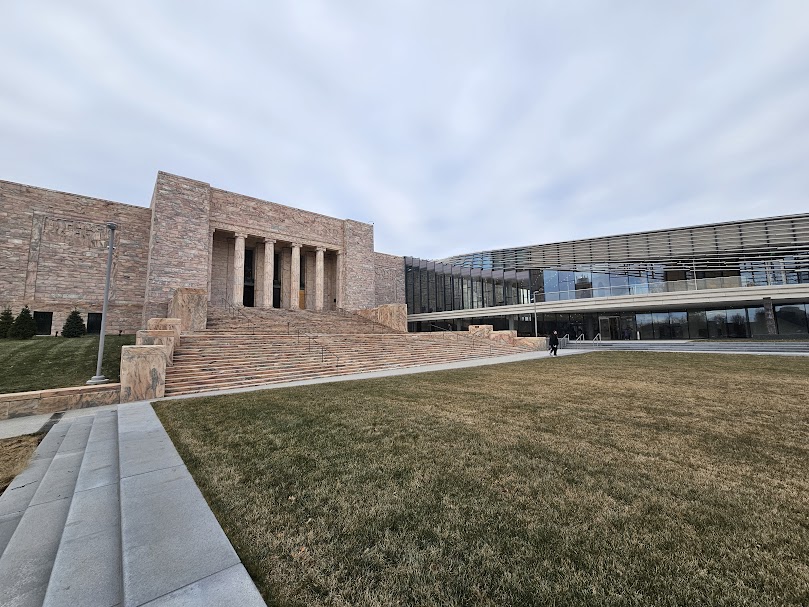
452	126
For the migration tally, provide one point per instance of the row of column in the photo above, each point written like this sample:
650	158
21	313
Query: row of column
294	274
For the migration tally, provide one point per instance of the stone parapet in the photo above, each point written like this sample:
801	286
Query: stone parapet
537	343
158	338
390	315
19	404
166	324
481	330
191	307
143	373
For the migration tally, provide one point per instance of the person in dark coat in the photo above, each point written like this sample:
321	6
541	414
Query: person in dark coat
553	342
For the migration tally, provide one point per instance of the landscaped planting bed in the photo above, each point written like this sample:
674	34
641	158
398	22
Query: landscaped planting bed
43	363
598	479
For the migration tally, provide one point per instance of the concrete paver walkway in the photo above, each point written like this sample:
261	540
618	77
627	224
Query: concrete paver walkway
108	515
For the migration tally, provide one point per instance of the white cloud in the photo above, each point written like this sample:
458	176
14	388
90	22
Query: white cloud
452	126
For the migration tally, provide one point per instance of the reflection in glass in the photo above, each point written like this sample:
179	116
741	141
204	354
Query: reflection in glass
758	321
697	324
791	319
678	322
716	323
645	325
662	329
737	323
601	285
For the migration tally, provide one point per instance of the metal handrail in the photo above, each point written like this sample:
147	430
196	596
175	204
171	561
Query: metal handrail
323	349
580	337
597	339
235	310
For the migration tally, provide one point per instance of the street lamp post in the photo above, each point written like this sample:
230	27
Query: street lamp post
98	378
536	333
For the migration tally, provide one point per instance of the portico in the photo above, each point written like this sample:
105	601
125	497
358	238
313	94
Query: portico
270	271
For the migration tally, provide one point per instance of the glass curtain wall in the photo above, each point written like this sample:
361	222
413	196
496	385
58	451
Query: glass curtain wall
437	287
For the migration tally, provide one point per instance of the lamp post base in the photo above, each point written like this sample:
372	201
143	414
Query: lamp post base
97	379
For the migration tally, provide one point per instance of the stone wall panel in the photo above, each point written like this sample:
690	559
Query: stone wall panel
359	289
389	279
178	248
53	255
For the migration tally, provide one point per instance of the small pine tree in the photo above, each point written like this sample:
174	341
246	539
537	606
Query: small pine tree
74	325
6	320
24	326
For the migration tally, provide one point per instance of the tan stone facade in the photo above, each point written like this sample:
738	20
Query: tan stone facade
237	249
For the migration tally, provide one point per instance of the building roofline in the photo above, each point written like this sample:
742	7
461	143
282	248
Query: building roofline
95	198
626	234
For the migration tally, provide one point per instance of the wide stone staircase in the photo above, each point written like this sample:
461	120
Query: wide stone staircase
281	346
106	514
226	319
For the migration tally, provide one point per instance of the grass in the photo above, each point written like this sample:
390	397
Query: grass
55	362
599	479
14	455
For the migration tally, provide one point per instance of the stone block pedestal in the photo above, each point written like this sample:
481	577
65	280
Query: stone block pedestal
191	307
143	372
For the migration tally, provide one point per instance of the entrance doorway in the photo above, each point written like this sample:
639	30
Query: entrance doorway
276	282
617	327
248	297
609	327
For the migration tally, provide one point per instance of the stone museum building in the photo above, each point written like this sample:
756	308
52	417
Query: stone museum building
736	279
242	251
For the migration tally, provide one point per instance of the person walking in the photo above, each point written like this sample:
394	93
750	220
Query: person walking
553	342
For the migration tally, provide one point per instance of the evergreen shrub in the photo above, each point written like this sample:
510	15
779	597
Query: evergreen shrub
6	320
23	326
74	325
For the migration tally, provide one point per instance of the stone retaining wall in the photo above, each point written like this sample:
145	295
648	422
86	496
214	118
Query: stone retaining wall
390	315
19	404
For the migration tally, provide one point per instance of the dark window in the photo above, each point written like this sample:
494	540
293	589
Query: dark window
94	323
44	320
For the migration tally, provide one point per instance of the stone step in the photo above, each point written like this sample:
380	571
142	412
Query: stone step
126	528
282	360
262	362
27	562
215	382
18	494
172	545
213	355
87	568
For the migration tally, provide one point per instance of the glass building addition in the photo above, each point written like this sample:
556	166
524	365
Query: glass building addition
714	281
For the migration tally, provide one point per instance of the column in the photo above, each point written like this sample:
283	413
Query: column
269	272
319	277
769	314
295	277
238	271
339	280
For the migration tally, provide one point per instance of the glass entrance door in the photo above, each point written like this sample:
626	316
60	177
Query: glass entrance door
609	327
